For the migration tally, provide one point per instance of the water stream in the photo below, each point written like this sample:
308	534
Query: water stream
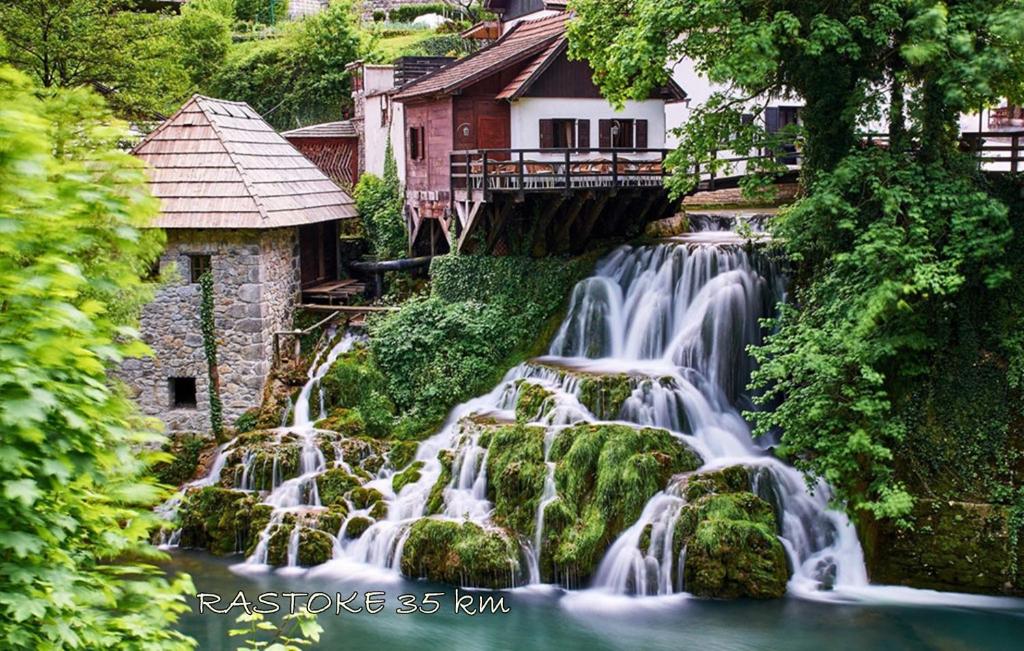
677	317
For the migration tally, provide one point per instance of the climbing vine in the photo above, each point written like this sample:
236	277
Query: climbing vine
206	322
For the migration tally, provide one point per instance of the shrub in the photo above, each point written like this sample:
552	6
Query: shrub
380	203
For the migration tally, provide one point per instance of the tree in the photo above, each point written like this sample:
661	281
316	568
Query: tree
204	36
266	12
75	512
310	55
129	56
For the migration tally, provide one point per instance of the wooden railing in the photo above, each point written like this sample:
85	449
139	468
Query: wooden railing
545	170
996	151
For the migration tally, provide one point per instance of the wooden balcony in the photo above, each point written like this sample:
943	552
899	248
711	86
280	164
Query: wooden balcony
477	174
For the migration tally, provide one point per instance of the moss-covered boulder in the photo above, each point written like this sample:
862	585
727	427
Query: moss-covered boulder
435	502
515	475
354	383
730	539
333	484
357	526
605	474
402	454
531	401
460	553
410	475
347	422
221	520
604	395
315	547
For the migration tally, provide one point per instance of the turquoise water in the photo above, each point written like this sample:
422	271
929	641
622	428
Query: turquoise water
550	619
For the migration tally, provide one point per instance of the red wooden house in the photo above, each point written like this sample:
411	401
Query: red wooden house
517	127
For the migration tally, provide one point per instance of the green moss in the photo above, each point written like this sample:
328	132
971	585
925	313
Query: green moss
728	558
435	502
605	474
333	484
603	395
354	383
408	476
221	520
515	475
182	468
357	526
347	422
531	401
460	553
277	546
315	547
726	480
730	538
331	519
364	498
402	454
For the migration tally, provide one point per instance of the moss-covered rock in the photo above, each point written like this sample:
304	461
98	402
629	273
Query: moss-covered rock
315	547
728	558
333	484
186	451
515	475
402	454
604	395
730	538
221	520
355	384
435	502
460	553
950	545
347	422
726	480
530	403
357	526
604	475
410	475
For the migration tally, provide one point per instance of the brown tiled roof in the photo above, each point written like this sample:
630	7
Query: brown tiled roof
341	129
218	164
530	73
526	39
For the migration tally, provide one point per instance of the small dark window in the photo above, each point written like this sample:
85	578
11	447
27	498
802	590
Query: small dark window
153	272
183	392
197	266
416	144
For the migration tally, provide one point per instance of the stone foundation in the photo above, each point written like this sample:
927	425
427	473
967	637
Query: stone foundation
256	278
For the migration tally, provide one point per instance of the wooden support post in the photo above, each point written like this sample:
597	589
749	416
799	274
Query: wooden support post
1015	153
540	230
561	239
499	217
589	220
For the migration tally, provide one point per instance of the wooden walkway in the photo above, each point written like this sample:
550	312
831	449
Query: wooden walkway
334	292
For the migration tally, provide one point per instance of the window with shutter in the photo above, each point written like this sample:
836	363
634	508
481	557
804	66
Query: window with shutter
604	134
583	134
641	134
547	134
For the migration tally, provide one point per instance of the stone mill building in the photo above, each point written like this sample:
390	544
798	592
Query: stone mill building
239	201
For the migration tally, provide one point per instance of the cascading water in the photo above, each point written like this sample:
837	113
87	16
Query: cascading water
677	318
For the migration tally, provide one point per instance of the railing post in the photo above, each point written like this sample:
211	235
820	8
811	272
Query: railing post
1014	153
568	174
484	159
664	152
521	187
615	169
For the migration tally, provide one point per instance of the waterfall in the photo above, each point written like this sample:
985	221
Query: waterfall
677	317
300	493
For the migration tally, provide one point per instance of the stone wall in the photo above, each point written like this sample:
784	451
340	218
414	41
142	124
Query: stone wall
958	546
256	278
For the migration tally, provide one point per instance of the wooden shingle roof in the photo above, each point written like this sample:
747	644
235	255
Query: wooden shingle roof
218	164
525	40
341	129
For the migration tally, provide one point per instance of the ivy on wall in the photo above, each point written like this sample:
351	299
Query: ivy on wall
206	323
